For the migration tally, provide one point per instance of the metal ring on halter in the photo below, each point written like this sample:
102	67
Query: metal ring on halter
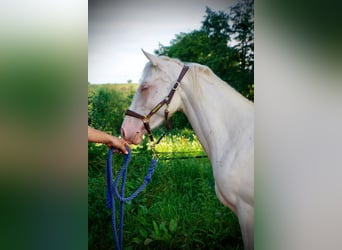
176	86
154	152
146	119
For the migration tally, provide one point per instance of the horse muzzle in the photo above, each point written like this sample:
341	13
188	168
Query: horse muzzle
132	130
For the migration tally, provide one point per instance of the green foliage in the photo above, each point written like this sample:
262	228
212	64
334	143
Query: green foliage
242	17
177	210
184	141
180	121
216	25
211	46
106	107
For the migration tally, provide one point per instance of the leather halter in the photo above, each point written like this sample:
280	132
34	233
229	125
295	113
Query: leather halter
166	101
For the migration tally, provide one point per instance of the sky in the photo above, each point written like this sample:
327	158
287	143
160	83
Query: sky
119	29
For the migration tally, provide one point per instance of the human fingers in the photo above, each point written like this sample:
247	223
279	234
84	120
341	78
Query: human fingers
122	146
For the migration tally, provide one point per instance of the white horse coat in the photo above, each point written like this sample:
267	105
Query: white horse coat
222	119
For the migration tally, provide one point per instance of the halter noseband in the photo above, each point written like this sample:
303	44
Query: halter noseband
166	101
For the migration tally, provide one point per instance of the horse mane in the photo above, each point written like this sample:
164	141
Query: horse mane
198	73
207	75
175	60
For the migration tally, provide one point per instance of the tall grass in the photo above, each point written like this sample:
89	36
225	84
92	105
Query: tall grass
177	210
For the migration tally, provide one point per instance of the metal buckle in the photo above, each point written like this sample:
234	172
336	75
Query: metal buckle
154	152
145	119
167	109
176	86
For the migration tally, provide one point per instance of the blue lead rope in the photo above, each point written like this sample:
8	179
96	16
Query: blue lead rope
112	192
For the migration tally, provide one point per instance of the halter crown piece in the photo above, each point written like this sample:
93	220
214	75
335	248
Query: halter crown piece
166	101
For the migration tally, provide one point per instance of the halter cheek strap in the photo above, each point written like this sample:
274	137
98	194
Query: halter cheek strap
166	101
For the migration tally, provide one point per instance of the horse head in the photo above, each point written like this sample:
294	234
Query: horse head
158	78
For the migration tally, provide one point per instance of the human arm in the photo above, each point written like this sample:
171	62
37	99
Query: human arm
98	136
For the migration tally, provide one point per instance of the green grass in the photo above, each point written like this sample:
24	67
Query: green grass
177	210
123	88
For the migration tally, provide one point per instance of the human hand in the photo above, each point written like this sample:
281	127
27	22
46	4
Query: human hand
117	143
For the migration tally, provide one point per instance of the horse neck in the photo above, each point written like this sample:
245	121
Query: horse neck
221	118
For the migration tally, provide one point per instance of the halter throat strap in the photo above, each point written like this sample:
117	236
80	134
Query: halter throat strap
166	101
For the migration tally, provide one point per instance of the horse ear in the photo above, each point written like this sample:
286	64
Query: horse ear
152	58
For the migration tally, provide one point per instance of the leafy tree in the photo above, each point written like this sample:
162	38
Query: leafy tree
242	17
106	109
216	25
242	31
210	46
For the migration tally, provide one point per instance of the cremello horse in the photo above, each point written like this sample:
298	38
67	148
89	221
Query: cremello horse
222	119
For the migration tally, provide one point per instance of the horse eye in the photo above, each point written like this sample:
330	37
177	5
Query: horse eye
144	87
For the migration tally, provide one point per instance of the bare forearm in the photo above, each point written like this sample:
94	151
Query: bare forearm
110	141
95	135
